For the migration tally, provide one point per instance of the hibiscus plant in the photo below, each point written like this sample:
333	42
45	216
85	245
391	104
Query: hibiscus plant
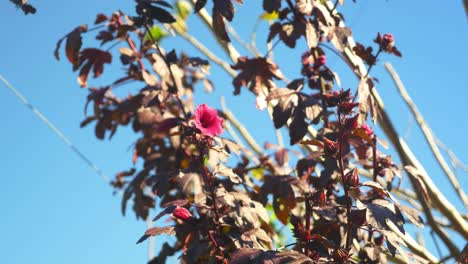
331	196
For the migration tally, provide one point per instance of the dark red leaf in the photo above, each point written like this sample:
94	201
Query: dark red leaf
72	45
271	5
92	59
100	18
255	73
365	54
219	26
298	127
225	8
199	5
156	231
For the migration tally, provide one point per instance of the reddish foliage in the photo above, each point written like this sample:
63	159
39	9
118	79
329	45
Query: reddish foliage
234	214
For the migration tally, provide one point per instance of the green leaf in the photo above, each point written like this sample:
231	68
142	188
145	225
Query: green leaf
156	33
183	9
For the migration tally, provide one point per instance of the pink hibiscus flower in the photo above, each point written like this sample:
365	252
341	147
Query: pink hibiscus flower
208	121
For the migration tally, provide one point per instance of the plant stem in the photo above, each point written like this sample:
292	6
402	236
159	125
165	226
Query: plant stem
372	65
163	56
374	159
132	45
345	185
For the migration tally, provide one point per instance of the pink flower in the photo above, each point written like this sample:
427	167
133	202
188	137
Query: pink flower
388	40
182	214
208	121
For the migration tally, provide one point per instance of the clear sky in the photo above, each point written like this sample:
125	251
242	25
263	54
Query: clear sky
56	210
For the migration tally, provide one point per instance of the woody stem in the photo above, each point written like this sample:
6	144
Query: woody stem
345	184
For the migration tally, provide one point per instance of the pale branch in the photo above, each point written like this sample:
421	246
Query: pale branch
409	158
428	134
241	42
210	55
238	140
149	224
456	162
437	197
395	259
412	245
241	128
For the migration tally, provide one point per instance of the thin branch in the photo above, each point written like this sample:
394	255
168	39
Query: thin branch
243	131
149	224
456	162
197	44
410	159
244	44
412	244
430	139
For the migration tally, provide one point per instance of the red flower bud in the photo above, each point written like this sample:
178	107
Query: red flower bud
351	123
330	147
379	240
388	40
319	197
351	178
347	107
182	214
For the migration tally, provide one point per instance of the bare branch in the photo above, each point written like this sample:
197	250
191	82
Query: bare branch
430	139
242	130
197	44
456	162
412	244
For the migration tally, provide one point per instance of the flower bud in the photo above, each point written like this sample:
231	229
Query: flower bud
351	123
182	214
330	148
319	197
347	107
351	178
388	41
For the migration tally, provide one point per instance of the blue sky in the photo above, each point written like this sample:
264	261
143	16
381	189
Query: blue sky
56	210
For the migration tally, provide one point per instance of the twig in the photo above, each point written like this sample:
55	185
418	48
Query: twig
242	130
412	244
410	159
244	44
192	40
456	162
430	139
149	224
236	138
